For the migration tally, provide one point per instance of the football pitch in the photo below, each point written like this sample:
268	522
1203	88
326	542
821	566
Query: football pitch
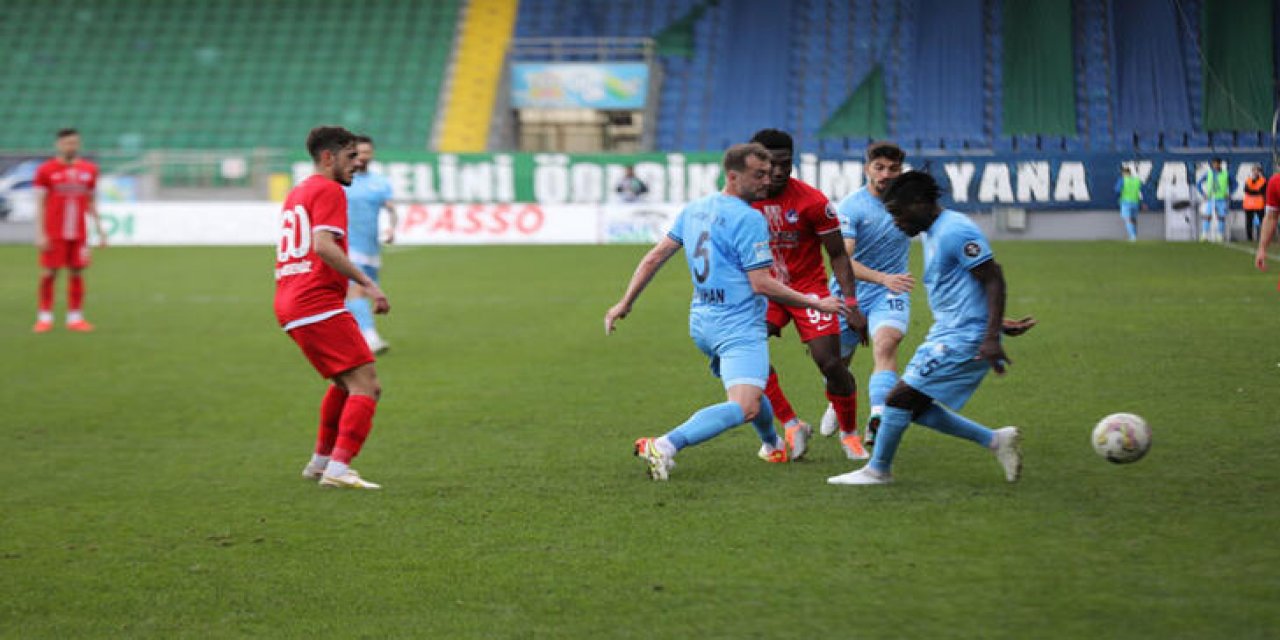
152	468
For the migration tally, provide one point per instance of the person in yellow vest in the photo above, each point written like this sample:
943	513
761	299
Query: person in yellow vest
1255	192
1216	187
1129	188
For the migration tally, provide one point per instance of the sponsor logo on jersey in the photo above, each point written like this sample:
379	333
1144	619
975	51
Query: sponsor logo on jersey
793	216
831	212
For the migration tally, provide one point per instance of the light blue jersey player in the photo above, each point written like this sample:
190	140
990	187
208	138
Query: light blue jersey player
967	296
367	196
726	246
879	253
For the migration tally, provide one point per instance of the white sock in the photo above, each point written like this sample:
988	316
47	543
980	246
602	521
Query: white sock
44	316
75	316
318	460
335	469
664	446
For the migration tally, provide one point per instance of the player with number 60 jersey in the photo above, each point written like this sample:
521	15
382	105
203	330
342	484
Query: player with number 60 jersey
312	271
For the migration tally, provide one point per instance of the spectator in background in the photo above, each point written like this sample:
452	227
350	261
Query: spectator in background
1129	188
65	200
1216	187
631	188
1255	191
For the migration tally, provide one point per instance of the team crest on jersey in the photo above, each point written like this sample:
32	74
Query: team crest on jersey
972	249
793	216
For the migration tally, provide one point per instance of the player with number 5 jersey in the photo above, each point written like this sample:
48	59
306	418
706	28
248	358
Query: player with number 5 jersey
312	274
727	251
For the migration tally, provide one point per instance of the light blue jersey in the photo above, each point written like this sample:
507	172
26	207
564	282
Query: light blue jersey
879	244
366	196
953	246
723	239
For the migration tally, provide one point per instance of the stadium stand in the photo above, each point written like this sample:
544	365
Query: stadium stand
189	74
486	31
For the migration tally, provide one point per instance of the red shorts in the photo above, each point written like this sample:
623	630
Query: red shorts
65	254
333	345
810	323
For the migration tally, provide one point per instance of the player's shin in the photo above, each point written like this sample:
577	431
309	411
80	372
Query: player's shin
353	427
846	408
75	294
335	399
362	311
879	386
773	392
706	424
893	424
943	420
763	422
46	297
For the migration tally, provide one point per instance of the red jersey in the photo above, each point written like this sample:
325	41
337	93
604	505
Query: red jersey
1273	193
307	289
68	194
796	218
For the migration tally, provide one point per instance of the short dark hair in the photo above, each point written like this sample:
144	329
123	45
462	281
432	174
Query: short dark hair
887	150
910	188
774	139
735	157
1124	168
363	139
1217	159
328	138
64	132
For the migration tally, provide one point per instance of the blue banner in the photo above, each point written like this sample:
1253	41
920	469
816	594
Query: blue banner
579	85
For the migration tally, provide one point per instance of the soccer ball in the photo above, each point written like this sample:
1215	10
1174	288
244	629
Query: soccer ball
1122	438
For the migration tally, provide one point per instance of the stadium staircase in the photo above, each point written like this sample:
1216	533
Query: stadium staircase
486	31
187	74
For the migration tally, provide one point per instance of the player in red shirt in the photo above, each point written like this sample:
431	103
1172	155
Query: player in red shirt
1269	222
64	199
802	223
312	274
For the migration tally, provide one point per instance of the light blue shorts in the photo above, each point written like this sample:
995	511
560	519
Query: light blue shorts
736	359
1129	209
1219	207
946	372
889	309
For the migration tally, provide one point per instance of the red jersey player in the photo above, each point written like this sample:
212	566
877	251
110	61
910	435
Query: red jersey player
64	199
312	273
1269	223
802	223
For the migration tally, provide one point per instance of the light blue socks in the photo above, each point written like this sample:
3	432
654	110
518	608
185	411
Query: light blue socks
708	423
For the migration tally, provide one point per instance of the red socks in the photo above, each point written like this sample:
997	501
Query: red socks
75	292
330	413
354	427
46	293
782	410
846	411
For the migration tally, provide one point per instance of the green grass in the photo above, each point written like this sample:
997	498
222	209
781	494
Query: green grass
151	483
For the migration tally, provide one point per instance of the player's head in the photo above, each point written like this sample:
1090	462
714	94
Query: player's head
912	200
67	142
1257	169
1216	163
884	163
746	171
781	149
1124	170
334	151
364	153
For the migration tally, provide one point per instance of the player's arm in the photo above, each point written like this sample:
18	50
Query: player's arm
895	282
92	212
649	266
842	267
327	247
1268	230
991	277
763	283
393	217
42	240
